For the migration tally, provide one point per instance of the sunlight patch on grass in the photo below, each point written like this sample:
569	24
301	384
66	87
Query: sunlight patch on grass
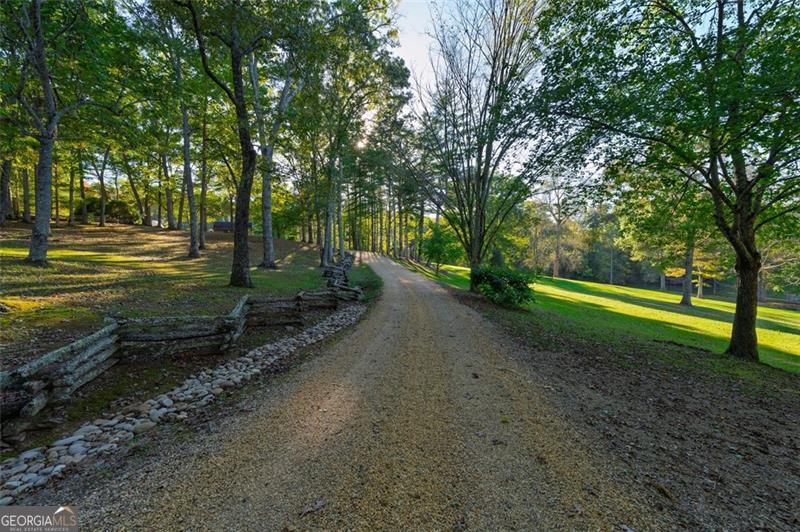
607	311
117	270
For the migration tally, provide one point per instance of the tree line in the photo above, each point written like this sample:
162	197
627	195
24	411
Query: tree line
663	134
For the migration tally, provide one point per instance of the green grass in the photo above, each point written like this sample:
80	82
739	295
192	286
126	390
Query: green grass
369	281
604	312
127	271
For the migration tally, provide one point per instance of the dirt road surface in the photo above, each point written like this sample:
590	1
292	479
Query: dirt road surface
415	419
426	415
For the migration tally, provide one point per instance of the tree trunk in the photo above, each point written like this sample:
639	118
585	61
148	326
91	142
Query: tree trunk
194	243
37	253
71	218
180	203
340	221
699	286
662	281
420	230
101	177
327	256
5	191
686	298
148	213
57	210
26	197
240	268
84	207
266	146
474	265
204	178
139	205
557	259
380	227
474	255
744	339
168	192
158	199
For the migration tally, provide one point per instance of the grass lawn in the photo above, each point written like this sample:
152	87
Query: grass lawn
604	312
127	271
369	281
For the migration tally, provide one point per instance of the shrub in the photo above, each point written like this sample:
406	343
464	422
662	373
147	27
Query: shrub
503	285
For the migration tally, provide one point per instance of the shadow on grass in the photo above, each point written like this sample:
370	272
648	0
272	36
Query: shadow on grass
600	323
666	306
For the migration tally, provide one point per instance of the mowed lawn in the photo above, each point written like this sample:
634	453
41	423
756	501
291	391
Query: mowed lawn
604	312
122	270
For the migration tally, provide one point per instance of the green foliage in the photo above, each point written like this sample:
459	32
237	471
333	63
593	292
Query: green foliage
440	245
504	286
370	282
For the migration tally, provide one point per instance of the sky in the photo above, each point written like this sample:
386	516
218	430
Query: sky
414	21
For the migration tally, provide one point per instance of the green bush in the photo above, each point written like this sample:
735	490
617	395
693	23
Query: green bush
503	285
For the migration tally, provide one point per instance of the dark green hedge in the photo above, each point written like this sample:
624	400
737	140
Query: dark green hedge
503	285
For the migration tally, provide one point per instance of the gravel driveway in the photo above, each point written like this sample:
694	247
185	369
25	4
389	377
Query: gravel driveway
415	419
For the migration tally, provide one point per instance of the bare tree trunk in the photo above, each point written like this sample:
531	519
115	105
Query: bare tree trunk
380	228
194	243
57	216
744	339
5	191
204	178
686	299
41	226
266	145
327	257
420	229
101	177
158	199
148	212
557	259
340	221
26	197
140	207
84	207
699	285
71	218
662	281
37	253
240	268
181	198
168	192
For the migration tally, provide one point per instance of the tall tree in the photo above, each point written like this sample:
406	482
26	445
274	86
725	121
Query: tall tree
63	68
236	28
713	91
266	140
471	122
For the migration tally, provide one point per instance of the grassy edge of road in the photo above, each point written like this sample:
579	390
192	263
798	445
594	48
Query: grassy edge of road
370	282
549	329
